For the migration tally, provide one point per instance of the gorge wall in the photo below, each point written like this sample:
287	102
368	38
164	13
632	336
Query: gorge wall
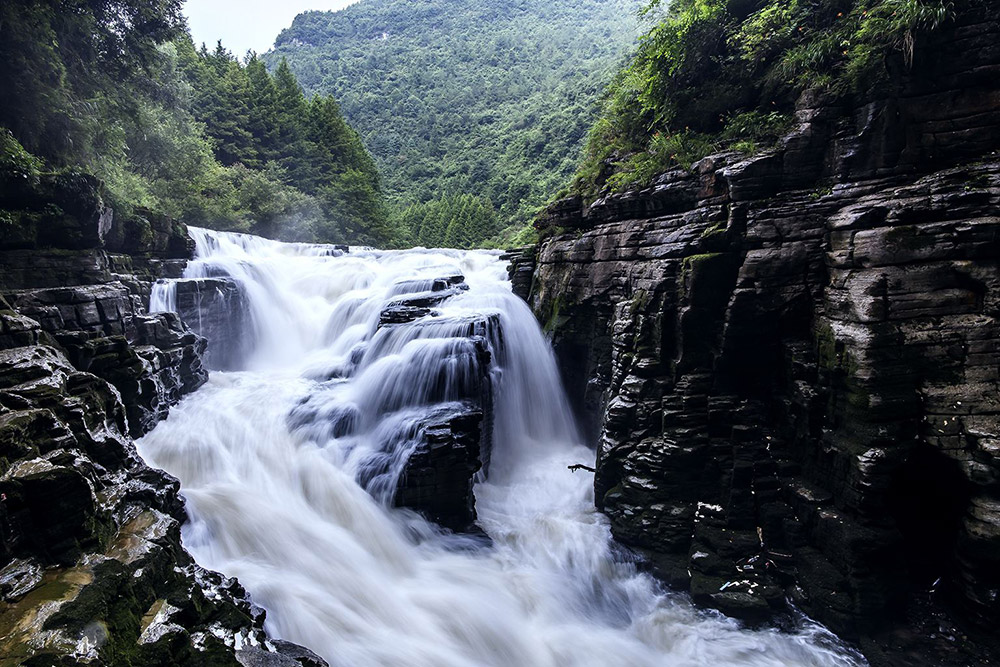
790	363
92	570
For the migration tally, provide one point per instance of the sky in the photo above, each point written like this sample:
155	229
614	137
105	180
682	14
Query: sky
247	24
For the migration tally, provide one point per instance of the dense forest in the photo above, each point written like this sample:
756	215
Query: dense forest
715	75
457	221
117	88
491	99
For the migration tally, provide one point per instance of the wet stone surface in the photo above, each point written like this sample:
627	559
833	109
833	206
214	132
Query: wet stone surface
789	363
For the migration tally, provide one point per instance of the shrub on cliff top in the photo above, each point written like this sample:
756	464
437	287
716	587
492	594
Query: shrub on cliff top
713	74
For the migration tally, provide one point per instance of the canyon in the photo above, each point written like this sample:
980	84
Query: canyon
782	370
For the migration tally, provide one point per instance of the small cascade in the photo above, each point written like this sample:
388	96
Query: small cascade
163	298
389	396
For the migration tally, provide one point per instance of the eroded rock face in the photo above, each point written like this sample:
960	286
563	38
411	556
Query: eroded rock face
218	310
152	360
92	569
92	564
789	364
61	232
521	269
439	474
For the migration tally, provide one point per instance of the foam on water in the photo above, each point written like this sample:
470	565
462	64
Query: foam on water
281	507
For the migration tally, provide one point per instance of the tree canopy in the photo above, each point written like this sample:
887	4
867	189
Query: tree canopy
117	87
490	98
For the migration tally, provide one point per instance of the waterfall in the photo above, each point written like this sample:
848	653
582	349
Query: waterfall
289	465
163	298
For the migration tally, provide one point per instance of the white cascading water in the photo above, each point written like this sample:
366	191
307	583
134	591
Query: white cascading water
279	505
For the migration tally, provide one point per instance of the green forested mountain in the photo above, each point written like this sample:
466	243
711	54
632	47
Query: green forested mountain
490	98
117	88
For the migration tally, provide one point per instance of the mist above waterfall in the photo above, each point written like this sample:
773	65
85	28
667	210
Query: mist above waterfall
289	466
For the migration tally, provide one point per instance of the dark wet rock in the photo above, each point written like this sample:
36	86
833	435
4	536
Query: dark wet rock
152	360
414	306
443	438
285	654
92	569
62	232
438	477
783	360
521	269
91	562
418	298
76	275
218	310
400	313
789	362
55	504
440	284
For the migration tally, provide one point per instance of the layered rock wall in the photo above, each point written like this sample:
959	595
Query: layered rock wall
789	363
92	570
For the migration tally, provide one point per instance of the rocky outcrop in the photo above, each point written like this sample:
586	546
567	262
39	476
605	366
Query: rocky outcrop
83	272
439	473
789	363
60	231
152	360
521	269
418	298
453	443
92	564
92	570
428	428
218	310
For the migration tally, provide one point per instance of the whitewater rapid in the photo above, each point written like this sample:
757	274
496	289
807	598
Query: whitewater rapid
338	570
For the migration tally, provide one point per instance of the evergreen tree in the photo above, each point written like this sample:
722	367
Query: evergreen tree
222	104
264	110
458	221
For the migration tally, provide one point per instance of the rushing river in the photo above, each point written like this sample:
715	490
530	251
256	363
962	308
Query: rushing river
280	506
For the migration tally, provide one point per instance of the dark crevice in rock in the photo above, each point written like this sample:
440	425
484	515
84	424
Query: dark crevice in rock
928	497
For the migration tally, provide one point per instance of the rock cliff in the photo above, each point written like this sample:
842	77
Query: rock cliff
790	363
92	570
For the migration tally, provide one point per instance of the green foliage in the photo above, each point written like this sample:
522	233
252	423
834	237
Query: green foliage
17	164
718	74
756	125
665	151
65	68
260	121
117	88
492	98
459	221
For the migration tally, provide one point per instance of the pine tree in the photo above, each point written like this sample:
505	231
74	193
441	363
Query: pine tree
264	109
221	103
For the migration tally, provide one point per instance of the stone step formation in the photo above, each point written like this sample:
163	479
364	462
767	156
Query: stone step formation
447	445
91	563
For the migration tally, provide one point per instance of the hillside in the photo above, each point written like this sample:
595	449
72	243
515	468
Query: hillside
195	135
491	99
